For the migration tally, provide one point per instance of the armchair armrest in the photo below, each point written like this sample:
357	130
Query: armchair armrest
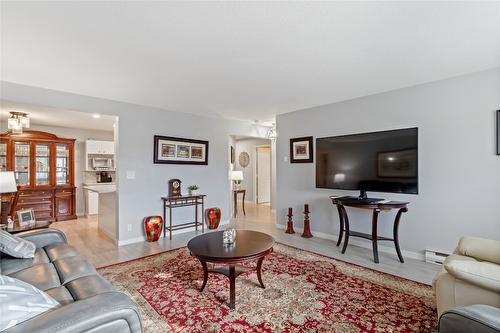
480	273
43	237
480	249
472	318
106	312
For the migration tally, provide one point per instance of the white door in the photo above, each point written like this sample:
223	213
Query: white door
263	173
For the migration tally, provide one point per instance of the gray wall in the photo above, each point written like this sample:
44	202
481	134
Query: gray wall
137	125
459	172
249	145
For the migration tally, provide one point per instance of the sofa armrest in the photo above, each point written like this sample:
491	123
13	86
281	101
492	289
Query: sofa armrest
472	318
43	237
480	248
106	312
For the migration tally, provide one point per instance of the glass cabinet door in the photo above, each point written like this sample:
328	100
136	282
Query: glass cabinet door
62	164
22	163
42	164
3	156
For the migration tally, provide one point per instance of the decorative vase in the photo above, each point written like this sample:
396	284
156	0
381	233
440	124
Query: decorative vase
212	217
153	226
193	192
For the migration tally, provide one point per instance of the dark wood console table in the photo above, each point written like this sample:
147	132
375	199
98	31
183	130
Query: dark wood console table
377	207
183	201
235	199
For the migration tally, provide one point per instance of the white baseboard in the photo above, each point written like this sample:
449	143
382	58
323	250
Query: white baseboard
364	243
175	232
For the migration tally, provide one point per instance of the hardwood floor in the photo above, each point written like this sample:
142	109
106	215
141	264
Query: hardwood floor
101	251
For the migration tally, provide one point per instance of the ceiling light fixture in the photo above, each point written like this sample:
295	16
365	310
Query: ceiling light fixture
96	115
18	121
271	133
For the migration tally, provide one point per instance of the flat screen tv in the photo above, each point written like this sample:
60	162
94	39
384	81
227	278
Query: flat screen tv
384	161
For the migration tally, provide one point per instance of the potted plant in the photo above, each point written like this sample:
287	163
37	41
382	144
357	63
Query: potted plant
193	189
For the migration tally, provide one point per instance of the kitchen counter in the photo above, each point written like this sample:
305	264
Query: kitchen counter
105	194
100	188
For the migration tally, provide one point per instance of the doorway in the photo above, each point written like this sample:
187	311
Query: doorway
263	175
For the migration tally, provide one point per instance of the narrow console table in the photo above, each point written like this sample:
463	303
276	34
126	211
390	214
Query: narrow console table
183	201
377	207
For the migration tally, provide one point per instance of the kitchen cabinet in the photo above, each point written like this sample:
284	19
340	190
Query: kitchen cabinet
43	165
100	147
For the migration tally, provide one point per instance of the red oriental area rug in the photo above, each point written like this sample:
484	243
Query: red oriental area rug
305	292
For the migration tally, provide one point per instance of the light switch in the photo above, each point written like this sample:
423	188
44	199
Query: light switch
130	174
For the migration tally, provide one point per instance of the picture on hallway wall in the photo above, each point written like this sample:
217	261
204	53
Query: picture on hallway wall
301	150
172	150
498	132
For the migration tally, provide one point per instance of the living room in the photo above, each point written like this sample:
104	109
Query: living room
184	80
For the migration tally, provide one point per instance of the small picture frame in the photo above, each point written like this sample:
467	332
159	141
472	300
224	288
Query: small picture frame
498	132
301	150
26	217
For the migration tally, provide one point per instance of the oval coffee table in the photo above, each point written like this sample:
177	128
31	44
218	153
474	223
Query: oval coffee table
249	246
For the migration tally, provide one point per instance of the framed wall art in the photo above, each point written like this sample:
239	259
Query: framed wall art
498	132
171	150
301	150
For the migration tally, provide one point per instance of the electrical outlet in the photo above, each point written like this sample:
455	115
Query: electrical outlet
129	227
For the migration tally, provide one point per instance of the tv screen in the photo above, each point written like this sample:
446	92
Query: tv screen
379	161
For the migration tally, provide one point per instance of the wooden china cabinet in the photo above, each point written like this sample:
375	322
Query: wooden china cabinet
43	165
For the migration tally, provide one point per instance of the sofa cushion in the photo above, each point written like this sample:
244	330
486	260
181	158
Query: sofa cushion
21	301
480	248
73	268
88	286
480	273
15	246
43	276
11	265
60	251
61	294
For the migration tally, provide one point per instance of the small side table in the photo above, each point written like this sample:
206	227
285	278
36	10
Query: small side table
235	196
34	226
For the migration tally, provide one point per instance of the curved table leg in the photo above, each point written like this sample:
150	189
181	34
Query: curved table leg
205	274
232	286
259	272
374	235
396	234
243	203
346	228
341	231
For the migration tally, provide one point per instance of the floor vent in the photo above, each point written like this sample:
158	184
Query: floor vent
435	257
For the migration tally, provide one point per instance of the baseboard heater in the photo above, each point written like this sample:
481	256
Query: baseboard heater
435	257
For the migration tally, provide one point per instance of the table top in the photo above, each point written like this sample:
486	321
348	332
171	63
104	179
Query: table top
249	244
181	197
37	225
354	202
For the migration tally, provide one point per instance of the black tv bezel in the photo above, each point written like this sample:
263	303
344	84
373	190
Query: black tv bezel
364	133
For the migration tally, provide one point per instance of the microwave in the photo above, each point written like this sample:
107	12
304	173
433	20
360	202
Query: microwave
102	163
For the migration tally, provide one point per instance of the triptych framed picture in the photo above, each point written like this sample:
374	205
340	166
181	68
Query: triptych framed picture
171	150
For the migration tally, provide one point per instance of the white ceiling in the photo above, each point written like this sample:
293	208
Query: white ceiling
248	60
40	115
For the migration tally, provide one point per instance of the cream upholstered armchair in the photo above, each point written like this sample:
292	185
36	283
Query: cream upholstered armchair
471	275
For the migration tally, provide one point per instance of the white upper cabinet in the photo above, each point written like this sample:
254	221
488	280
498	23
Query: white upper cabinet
100	147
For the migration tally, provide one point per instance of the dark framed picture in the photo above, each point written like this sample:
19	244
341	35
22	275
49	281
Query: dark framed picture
498	132
397	164
232	155
171	150
301	150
